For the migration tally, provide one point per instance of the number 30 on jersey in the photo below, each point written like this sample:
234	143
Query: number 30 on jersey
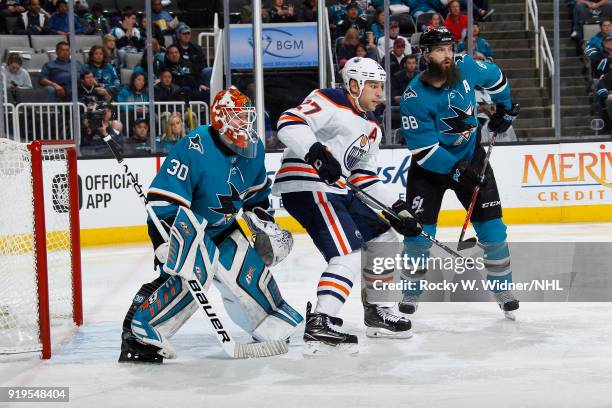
409	122
178	169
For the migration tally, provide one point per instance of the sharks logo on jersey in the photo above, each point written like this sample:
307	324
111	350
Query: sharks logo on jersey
196	144
356	150
227	205
458	124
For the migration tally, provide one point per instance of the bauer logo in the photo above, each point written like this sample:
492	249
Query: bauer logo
60	193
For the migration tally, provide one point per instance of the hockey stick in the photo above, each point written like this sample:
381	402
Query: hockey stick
231	347
369	200
470	242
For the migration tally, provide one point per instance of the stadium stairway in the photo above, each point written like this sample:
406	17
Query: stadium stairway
515	51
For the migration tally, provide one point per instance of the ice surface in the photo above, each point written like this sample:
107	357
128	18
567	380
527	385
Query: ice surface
554	355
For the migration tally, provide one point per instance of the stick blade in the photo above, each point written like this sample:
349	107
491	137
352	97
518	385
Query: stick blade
266	348
467	244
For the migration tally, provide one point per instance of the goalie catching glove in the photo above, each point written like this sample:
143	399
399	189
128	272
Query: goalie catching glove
271	242
406	225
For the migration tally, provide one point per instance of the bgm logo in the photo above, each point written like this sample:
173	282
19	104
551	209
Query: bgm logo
280	43
60	193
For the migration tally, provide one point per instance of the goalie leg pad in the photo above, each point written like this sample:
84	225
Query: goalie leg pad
250	293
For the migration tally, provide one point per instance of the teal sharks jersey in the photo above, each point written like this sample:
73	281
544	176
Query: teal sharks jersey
440	124
215	185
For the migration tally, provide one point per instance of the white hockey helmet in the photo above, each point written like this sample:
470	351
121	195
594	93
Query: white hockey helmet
361	70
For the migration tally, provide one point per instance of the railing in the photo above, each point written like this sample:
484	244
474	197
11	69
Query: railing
332	78
547	58
26	122
208	37
531	13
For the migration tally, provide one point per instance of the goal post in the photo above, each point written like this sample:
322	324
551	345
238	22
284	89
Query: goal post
40	268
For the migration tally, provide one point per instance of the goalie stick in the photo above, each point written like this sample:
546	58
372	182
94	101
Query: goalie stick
369	200
470	242
231	347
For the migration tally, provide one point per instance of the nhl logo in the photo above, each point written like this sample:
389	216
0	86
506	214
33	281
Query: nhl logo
355	152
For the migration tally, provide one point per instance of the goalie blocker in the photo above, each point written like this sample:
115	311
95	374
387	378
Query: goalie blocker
249	291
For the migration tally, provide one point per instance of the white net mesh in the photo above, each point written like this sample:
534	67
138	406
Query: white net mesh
19	312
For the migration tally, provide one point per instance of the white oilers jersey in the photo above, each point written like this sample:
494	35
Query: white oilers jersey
330	117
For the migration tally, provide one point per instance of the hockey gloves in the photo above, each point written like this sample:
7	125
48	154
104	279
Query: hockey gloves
468	174
272	243
502	118
406	225
324	162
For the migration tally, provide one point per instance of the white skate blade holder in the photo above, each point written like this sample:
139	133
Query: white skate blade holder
382	333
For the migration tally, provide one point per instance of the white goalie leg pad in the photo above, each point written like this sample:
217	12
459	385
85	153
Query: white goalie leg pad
250	294
386	245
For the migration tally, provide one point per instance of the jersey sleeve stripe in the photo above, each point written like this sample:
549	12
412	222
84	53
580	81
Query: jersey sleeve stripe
499	86
427	156
420	149
167	194
290	123
288	116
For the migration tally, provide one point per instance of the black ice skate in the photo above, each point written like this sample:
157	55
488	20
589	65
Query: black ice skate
507	303
322	336
385	322
408	305
134	351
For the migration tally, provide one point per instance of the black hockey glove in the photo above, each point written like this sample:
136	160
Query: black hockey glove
466	173
502	118
407	226
324	162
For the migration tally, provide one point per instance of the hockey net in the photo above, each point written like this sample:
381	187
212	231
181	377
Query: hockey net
40	276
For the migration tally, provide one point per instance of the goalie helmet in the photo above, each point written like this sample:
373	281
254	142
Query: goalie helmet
233	116
361	70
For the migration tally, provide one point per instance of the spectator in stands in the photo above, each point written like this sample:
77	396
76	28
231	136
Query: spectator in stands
378	26
98	24
15	7
162	18
337	11
401	79
604	93
348	46
108	126
435	21
104	72
481	9
14	74
595	43
33	21
308	11
135	92
456	22
352	20
188	79
165	90
158	61
282	12
393	35
109	44
418	7
175	131
140	132
91	93
586	10
599	65
58	22
55	75
189	51
397	56
480	44
157	32
128	37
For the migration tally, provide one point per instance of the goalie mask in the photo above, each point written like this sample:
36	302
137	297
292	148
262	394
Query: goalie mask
233	116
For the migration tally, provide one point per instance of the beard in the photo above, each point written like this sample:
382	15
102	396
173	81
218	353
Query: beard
436	73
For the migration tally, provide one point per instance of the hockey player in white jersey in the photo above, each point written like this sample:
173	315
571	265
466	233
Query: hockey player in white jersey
331	134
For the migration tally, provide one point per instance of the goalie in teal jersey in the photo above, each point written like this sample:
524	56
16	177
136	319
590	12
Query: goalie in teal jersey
439	124
214	172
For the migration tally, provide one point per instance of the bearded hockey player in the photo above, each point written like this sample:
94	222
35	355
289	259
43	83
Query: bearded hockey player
331	134
439	124
214	172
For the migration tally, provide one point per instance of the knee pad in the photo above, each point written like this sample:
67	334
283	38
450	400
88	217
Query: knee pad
250	293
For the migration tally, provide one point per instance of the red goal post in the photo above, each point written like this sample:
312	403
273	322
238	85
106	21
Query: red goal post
39	244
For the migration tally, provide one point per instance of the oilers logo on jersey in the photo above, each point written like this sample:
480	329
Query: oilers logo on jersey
355	151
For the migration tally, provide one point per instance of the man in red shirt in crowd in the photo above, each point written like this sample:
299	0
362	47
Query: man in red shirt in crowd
456	22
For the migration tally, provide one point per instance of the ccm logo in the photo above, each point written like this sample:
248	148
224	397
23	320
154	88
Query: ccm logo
199	295
491	204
